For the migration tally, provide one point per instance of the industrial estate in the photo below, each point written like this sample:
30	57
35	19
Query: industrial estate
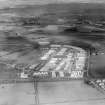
57	62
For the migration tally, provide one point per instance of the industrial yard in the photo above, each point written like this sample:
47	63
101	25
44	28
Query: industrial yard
63	61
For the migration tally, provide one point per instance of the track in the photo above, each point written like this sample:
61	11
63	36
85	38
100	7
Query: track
36	93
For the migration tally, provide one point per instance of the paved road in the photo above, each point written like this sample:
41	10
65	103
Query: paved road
50	93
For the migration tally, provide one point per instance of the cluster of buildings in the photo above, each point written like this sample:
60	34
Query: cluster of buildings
62	61
56	61
98	83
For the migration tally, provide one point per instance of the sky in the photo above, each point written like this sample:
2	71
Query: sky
12	3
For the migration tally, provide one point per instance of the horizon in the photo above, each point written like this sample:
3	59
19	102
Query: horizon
13	3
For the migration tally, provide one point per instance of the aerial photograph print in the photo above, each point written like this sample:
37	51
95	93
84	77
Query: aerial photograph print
52	52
